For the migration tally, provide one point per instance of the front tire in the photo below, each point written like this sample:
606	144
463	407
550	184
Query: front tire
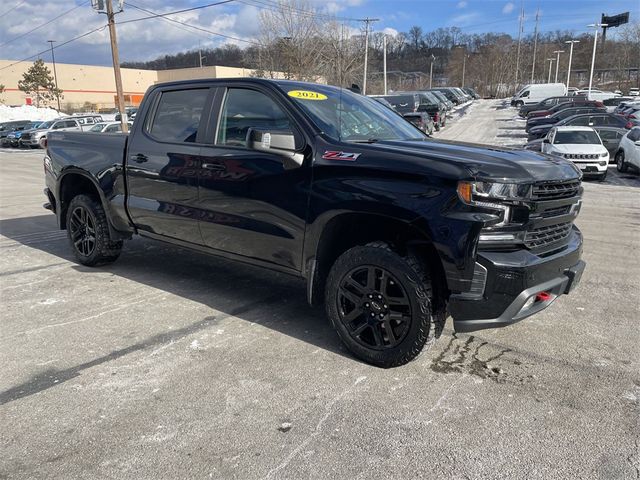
621	165
88	232
602	177
519	104
380	304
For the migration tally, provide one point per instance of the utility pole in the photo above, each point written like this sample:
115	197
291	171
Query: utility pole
433	57
557	52
550	60
593	56
570	42
384	62
366	21
55	74
521	18
200	57
116	65
535	46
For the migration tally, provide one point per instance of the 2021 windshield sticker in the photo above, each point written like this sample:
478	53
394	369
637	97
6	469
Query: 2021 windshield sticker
346	156
306	95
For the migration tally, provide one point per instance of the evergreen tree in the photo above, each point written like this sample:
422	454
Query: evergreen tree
39	82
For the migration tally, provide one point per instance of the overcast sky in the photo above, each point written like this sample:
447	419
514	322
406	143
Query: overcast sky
151	38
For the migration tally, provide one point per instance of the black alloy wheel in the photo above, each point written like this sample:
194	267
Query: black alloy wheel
82	229
621	165
374	307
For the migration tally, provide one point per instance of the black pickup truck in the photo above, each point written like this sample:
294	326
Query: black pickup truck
393	231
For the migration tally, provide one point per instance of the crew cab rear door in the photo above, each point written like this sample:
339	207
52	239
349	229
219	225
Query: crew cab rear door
163	162
253	205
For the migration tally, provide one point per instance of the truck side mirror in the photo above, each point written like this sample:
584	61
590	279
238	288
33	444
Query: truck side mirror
280	142
545	140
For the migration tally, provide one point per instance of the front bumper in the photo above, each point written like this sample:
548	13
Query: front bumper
513	279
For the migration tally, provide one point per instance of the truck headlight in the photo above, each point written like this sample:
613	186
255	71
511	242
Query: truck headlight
491	194
502	198
605	154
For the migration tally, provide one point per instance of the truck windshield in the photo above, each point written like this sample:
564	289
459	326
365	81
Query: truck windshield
350	117
577	137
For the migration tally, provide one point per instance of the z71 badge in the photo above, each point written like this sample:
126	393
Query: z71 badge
332	155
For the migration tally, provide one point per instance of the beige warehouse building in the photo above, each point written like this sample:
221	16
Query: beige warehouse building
88	87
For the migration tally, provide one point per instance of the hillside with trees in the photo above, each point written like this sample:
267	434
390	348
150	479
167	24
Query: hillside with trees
309	47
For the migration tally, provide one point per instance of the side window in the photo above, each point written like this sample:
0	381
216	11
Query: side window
580	121
525	94
178	115
71	123
57	126
607	134
113	128
243	109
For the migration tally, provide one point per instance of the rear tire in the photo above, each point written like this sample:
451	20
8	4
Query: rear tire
380	304
621	165
88	232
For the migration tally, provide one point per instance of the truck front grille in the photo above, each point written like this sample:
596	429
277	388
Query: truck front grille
553	191
543	236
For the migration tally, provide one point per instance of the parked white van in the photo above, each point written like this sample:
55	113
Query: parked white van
536	92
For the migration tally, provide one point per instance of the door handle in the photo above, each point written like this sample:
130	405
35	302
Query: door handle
213	166
139	158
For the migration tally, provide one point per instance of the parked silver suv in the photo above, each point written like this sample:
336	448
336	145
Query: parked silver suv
34	138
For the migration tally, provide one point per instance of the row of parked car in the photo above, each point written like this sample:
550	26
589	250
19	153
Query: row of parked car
427	109
591	133
32	134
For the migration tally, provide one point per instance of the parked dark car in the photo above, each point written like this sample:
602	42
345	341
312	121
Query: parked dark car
131	114
446	102
391	230
550	102
422	120
7	127
588	120
561	115
610	137
413	102
450	94
13	138
563	106
471	92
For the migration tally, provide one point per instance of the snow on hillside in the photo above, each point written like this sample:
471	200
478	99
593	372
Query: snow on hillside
27	112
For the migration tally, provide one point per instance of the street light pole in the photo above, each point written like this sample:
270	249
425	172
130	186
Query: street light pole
464	67
571	43
55	74
593	56
366	21
384	61
433	57
550	60
557	52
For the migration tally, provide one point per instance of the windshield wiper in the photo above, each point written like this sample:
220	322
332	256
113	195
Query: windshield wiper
369	140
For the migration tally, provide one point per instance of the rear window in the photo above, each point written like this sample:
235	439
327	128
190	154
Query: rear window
178	115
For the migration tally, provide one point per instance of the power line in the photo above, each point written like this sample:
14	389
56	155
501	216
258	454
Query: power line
42	25
164	17
102	27
159	15
13	8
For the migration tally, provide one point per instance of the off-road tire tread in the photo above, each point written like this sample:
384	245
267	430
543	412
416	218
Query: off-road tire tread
107	250
429	323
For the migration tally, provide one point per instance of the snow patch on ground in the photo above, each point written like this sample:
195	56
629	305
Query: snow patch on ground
27	112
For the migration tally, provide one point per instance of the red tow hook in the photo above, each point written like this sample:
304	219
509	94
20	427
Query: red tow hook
543	297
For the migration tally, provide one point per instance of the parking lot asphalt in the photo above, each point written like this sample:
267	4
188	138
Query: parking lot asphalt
170	364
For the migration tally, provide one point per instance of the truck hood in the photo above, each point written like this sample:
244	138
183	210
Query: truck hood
484	162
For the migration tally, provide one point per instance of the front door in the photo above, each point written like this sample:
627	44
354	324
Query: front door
253	206
163	164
